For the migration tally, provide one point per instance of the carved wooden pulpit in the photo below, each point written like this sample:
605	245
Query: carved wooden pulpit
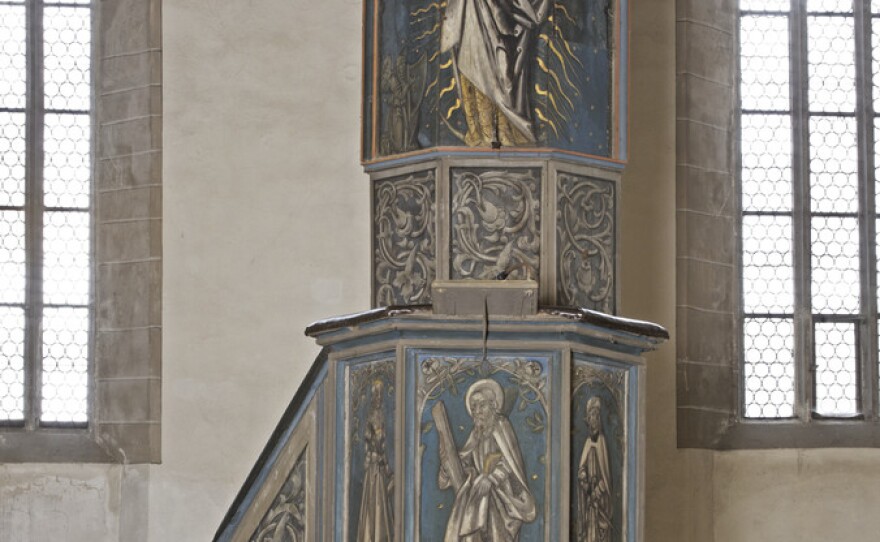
491	395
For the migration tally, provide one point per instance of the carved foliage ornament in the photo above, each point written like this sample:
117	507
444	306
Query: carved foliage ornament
495	224
286	519
585	237
404	244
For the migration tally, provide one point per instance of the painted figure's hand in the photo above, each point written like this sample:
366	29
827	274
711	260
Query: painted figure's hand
482	486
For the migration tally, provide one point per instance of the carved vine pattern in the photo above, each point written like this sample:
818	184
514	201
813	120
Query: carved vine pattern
448	374
495	224
404	244
585	237
286	519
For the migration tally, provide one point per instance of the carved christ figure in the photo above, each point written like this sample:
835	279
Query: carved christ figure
593	521
493	47
374	521
492	497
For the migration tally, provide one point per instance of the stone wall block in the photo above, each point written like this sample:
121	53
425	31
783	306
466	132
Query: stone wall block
129	295
128	353
707	192
131	442
717	13
131	136
130	170
130	240
704	101
129	400
130	71
128	104
129	25
709	338
702	428
709	52
706	237
705	285
703	145
130	204
706	386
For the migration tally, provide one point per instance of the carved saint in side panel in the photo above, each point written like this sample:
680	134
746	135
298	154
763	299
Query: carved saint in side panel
594	511
374	521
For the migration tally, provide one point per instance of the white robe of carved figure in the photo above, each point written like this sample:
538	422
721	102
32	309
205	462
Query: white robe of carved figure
493	46
493	500
594	508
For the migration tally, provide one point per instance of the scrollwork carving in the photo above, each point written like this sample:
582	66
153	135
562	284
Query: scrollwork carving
495	224
404	246
286	519
585	233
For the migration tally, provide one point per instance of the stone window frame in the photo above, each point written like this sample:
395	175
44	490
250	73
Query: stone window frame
125	367
708	293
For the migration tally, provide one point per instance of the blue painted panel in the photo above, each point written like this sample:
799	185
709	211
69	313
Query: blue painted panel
598	493
526	380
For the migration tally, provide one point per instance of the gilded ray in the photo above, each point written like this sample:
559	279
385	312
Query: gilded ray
549	95
434	56
427	33
448	89
564	11
548	121
446	64
567	46
429	7
562	62
555	79
430	86
453	108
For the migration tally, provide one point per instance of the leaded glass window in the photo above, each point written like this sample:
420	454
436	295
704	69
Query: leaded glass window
45	212
809	88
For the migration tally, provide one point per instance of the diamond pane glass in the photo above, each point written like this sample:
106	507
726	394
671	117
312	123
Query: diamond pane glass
768	285
835	260
764	63
67	161
66	268
12	257
831	60
67	38
13	62
836	378
834	165
766	162
65	365
769	368
12	159
830	6
764	5
11	364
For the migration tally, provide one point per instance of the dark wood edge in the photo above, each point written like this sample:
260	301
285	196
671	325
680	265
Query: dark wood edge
581	315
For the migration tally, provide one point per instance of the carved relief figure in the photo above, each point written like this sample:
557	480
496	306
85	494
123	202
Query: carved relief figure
375	518
493	44
492	497
594	506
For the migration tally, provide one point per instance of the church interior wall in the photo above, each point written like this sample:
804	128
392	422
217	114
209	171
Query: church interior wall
266	228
